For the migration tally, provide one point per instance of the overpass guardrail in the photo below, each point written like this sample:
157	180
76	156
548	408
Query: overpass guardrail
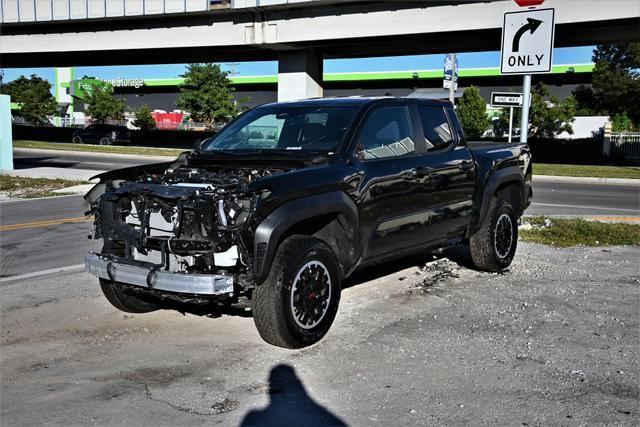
16	11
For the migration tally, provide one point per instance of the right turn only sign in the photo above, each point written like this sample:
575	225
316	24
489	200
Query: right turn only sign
527	42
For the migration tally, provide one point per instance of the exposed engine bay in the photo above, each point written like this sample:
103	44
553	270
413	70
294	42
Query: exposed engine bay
191	220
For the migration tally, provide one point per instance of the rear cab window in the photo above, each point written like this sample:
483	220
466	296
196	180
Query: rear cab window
457	127
435	126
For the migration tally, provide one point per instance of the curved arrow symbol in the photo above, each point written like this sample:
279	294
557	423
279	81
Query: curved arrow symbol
532	25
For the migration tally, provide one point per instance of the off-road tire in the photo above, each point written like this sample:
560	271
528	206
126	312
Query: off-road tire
485	252
76	140
273	300
105	140
123	301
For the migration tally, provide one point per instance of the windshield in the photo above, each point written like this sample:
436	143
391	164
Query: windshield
283	127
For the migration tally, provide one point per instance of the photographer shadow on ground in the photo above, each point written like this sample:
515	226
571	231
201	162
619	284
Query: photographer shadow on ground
289	404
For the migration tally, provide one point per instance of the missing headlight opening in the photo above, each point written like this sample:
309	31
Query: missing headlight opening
183	220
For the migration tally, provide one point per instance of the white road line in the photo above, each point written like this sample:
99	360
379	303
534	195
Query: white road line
41	273
102	163
586	207
35	199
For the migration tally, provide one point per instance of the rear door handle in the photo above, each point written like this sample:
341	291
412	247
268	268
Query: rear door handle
465	165
418	172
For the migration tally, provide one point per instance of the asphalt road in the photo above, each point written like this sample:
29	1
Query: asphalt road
27	158
38	235
561	198
553	341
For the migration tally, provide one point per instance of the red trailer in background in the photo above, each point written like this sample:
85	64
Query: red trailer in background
168	121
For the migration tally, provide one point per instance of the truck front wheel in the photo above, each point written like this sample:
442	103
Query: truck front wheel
493	246
296	304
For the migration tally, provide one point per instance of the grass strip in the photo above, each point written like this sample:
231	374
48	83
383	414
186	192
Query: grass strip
565	232
593	171
29	188
113	149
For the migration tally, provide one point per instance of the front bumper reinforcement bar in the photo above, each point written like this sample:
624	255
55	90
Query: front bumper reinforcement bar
108	268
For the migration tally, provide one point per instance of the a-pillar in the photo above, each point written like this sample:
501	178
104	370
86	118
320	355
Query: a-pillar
299	75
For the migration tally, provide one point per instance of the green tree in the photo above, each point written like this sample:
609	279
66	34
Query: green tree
549	115
144	120
103	105
472	112
206	94
33	94
620	123
615	88
501	126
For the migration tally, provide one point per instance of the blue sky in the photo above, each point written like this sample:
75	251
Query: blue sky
572	55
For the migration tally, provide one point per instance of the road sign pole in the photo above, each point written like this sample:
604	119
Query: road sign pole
452	88
526	100
510	123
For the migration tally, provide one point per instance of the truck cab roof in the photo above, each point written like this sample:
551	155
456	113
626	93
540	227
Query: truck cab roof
357	101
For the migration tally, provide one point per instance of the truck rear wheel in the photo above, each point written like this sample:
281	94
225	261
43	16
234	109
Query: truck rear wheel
123	301
297	303
493	246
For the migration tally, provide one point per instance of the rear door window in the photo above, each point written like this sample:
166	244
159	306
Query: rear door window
437	132
457	127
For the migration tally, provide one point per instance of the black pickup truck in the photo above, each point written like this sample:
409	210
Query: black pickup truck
291	198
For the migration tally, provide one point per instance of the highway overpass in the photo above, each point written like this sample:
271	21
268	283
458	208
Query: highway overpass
300	35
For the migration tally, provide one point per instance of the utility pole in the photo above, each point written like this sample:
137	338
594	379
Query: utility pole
232	65
454	78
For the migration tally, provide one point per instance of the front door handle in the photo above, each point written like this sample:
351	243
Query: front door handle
465	165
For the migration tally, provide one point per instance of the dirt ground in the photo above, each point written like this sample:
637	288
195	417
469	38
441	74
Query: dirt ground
554	340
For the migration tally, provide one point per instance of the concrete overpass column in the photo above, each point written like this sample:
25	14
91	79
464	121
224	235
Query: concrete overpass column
6	141
299	75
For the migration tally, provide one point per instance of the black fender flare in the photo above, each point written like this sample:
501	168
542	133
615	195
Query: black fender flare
496	179
270	231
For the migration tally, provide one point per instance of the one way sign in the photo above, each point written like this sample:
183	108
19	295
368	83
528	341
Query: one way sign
527	42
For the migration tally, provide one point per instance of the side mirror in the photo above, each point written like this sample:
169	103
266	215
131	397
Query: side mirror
197	145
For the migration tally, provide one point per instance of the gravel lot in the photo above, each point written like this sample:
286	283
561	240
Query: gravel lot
555	340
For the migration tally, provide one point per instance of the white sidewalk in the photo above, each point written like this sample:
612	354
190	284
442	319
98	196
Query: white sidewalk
51	173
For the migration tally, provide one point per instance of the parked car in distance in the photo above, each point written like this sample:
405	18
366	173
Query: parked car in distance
103	134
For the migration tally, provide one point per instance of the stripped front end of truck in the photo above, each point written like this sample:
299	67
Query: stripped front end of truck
177	230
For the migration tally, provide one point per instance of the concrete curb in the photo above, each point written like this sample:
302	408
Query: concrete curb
76	189
586	180
97	154
634	219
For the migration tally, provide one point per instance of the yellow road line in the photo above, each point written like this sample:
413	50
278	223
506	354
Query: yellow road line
45	223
